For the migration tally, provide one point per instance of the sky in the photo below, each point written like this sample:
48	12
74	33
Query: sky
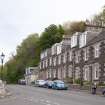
19	18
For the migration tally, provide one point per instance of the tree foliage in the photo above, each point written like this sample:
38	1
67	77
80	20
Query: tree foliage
27	55
52	34
72	27
99	19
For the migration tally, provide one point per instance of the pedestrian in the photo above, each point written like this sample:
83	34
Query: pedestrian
94	88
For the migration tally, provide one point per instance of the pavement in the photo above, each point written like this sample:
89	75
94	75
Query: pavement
3	90
28	95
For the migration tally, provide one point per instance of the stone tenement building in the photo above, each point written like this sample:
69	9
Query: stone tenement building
81	56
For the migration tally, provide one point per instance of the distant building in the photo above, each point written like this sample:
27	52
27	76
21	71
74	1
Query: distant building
31	74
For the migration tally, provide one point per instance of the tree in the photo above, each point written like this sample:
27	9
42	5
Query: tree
99	19
51	35
27	55
72	27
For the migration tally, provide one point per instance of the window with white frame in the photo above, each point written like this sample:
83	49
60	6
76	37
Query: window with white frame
74	40
53	49
54	73
96	71
64	72
70	71
59	59
77	55
59	48
50	61
70	55
42	55
86	73
96	50
59	73
54	61
86	54
77	73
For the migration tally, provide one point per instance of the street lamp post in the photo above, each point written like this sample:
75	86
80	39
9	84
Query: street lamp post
2	61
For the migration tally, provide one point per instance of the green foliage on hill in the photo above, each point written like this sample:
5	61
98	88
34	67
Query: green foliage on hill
28	52
52	34
72	27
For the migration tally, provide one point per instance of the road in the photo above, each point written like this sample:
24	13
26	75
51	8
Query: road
27	95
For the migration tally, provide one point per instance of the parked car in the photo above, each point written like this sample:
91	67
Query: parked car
22	82
48	84
59	85
40	83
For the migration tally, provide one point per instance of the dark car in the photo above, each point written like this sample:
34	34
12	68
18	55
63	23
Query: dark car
48	84
22	82
59	85
103	92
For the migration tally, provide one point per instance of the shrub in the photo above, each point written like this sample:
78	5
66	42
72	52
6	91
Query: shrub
68	80
101	84
86	82
77	81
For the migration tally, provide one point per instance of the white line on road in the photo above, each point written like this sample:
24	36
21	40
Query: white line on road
56	104
48	102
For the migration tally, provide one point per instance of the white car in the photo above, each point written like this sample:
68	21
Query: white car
40	83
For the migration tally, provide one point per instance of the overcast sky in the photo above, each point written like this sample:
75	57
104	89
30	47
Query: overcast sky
19	18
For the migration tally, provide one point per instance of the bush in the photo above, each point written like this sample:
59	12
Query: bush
101	84
77	81
68	80
86	82
33	82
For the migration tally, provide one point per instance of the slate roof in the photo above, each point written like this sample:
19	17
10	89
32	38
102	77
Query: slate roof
99	36
91	35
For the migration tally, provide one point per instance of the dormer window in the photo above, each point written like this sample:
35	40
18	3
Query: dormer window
82	39
74	40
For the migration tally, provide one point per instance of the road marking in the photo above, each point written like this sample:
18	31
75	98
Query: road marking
31	99
48	101
56	104
41	100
